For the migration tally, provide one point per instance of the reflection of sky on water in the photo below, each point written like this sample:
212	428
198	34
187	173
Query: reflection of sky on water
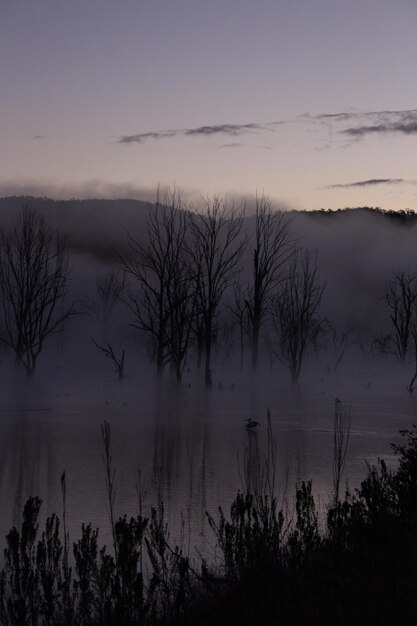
185	447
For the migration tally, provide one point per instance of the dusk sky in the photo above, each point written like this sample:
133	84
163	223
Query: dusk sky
313	103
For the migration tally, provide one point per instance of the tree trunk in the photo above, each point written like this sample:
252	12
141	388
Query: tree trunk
255	343
208	376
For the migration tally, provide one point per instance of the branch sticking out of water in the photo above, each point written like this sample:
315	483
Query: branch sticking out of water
341	433
110	473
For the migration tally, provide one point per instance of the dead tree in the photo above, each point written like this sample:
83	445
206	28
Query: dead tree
414	377
108	293
271	251
33	284
339	341
182	299
239	314
413	333
118	362
163	303
295	312
401	295
216	248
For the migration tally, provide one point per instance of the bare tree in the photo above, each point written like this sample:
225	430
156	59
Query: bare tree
100	306
217	248
164	303
33	284
108	293
295	312
271	251
182	300
401	295
339	341
239	314
413	333
118	362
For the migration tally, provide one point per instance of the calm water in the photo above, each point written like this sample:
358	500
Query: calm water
184	447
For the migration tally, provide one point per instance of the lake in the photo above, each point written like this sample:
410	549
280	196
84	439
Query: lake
185	446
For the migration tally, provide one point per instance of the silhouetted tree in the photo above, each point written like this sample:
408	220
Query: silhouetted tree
239	314
118	361
401	296
413	335
108	292
339	341
33	284
182	300
216	248
164	304
295	312
271	251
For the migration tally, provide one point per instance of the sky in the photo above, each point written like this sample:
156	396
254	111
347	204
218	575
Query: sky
313	104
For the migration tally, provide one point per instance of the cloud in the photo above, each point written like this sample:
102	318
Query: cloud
363	123
76	190
38	137
232	130
404	114
224	129
141	137
368	122
328	116
91	189
360	114
356	125
231	145
371	182
407	128
96	189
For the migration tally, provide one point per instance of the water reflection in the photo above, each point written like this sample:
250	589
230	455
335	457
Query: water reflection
185	447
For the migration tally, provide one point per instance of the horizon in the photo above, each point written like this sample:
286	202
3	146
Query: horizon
249	201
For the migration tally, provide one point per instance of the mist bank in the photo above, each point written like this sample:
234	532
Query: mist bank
357	252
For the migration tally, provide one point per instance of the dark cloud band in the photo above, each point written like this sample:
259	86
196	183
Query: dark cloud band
142	137
367	123
371	182
408	128
231	130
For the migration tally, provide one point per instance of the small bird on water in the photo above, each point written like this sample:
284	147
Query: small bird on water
251	423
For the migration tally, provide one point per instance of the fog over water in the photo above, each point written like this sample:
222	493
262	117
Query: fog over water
184	444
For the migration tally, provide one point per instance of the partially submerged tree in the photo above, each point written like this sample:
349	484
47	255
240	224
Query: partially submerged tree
33	284
272	248
118	361
295	312
108	293
164	302
182	297
413	334
339	341
239	315
401	296
217	247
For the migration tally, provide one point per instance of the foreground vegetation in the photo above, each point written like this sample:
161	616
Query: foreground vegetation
274	568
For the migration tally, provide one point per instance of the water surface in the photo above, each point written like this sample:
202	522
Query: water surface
183	446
